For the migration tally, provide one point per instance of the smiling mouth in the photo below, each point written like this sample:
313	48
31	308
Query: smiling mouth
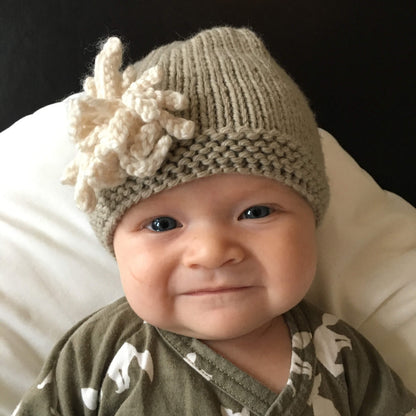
217	291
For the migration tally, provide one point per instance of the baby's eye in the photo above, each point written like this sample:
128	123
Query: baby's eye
161	224
258	211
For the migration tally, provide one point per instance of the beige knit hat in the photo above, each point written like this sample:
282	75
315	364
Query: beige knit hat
222	105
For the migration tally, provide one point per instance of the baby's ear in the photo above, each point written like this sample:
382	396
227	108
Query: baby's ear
367	259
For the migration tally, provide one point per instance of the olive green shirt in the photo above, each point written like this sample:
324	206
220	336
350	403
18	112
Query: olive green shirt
113	363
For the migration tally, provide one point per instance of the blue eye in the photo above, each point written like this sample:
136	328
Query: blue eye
258	211
162	224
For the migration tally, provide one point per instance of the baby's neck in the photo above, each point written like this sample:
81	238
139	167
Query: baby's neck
265	354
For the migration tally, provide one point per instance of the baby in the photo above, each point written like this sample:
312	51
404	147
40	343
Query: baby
201	169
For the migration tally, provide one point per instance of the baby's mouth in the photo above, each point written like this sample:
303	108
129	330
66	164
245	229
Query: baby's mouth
216	290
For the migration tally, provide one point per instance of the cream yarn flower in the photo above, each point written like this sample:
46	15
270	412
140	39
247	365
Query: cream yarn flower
121	126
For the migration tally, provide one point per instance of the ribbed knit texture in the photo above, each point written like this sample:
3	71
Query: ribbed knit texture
250	118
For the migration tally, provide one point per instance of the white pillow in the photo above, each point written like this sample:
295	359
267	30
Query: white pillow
54	272
367	265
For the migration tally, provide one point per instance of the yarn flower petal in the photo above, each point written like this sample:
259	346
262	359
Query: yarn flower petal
121	126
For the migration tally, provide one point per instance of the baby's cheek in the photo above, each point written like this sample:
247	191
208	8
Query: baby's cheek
146	296
140	300
137	285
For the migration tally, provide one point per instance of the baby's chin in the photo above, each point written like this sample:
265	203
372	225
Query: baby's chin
221	323
221	331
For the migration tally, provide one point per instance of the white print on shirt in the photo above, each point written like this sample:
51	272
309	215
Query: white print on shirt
328	344
299	366
300	340
320	405
119	367
47	380
90	398
229	412
191	359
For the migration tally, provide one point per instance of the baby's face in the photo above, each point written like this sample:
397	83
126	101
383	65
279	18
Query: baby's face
218	257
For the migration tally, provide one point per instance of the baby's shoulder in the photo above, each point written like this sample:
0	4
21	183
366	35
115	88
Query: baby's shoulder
334	338
349	369
98	348
103	332
115	316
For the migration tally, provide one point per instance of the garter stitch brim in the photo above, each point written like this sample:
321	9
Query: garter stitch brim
250	118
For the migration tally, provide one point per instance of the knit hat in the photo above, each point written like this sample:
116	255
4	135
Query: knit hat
215	103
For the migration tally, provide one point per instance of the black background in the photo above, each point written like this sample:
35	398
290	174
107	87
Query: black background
355	60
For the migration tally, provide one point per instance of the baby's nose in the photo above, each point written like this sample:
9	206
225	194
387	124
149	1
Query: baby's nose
213	249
